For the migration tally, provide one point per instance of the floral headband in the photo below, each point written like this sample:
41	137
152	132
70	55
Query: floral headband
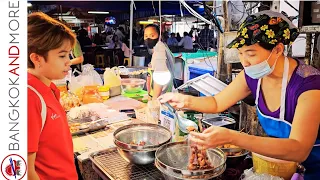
267	27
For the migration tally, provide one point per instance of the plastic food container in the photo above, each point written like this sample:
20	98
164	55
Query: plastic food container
272	166
132	85
222	121
104	92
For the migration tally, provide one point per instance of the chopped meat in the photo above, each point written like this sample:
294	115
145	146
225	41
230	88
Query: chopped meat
198	159
141	143
190	128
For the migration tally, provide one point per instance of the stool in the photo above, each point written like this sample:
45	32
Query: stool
100	60
128	60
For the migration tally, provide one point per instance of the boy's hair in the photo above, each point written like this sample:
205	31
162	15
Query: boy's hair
45	34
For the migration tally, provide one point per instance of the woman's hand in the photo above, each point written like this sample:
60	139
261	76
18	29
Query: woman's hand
211	137
176	100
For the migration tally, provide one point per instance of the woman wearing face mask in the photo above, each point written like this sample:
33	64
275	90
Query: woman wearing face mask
161	56
287	94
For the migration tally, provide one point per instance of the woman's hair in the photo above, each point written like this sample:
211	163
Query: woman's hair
267	46
156	27
45	34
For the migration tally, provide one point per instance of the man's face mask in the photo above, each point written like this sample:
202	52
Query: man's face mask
150	43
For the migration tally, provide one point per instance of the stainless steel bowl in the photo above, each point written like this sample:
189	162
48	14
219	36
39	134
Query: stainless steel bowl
172	160
138	157
132	85
152	134
235	161
169	176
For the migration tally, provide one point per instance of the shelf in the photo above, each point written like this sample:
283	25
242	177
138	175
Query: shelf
310	29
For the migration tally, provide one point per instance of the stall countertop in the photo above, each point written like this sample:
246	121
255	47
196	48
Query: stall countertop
95	141
103	139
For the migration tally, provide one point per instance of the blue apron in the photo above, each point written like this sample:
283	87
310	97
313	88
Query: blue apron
280	128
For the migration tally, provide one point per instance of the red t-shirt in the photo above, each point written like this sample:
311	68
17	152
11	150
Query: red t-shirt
53	145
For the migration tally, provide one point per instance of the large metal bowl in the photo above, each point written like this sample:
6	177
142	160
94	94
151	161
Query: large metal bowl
132	85
152	134
172	160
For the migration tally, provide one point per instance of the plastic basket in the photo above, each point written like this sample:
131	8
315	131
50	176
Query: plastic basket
196	71
275	167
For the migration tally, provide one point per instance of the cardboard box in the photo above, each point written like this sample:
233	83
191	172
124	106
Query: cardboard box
167	119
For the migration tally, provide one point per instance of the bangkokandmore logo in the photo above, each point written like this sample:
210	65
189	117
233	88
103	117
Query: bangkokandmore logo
13	167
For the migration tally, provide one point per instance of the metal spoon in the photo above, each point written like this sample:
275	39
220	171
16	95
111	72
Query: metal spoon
183	123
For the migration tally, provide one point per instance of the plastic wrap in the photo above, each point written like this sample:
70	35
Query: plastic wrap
249	174
198	157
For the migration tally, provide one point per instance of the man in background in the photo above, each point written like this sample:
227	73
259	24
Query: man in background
172	41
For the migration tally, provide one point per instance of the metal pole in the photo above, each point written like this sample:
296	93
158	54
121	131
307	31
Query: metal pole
160	19
131	28
223	69
316	53
308	49
227	29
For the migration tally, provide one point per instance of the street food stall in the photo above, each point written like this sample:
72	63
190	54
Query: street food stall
118	132
99	115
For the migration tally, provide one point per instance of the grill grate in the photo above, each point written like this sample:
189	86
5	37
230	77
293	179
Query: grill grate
114	166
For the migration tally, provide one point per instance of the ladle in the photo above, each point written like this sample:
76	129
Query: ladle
183	123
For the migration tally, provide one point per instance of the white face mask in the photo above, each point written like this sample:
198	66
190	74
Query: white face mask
260	70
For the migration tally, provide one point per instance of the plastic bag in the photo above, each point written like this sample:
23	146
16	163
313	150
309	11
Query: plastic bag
88	77
153	111
198	158
249	174
95	78
91	95
69	100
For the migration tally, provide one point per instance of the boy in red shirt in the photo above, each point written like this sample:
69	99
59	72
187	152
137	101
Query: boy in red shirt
50	148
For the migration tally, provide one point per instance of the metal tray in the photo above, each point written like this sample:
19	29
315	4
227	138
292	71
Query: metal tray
97	125
92	127
110	165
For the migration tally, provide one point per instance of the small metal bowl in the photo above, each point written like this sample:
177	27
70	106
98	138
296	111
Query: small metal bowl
153	135
132	85
235	160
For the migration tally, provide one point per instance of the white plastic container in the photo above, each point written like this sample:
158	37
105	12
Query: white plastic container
111	79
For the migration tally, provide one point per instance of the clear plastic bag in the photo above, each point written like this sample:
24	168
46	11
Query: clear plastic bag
88	77
153	111
198	158
95	79
249	174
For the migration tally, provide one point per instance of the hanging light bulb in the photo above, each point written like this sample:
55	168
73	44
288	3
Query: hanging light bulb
161	77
